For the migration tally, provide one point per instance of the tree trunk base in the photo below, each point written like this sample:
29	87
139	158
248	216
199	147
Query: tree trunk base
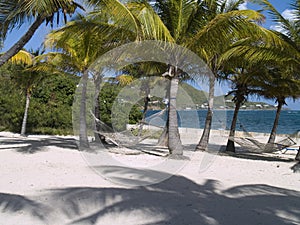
201	148
298	155
230	146
178	151
270	147
179	157
163	140
84	145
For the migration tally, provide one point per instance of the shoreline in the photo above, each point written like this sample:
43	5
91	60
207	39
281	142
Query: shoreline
221	132
249	120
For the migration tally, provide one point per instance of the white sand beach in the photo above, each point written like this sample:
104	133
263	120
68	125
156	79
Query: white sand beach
46	180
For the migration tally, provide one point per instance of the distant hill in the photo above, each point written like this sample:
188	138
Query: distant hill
191	98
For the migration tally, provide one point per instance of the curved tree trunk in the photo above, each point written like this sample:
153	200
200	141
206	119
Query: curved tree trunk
275	125
24	123
22	41
83	139
203	143
164	137
146	103
230	143
97	82
298	155
174	142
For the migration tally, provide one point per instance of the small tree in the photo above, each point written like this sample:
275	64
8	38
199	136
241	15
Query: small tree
26	79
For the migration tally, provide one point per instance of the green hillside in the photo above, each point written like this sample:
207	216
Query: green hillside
192	98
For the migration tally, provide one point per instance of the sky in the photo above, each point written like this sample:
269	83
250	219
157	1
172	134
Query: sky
283	6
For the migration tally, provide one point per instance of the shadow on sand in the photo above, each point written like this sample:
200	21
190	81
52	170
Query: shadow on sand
176	201
241	153
33	144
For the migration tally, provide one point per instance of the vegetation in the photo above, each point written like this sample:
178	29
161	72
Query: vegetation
232	43
50	107
126	113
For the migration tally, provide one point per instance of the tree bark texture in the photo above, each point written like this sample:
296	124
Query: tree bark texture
203	143
174	143
230	147
19	45
24	122
83	139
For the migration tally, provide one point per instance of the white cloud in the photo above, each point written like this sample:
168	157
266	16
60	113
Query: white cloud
287	14
277	27
243	6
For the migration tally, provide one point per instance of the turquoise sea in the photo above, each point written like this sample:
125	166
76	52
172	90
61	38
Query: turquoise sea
248	120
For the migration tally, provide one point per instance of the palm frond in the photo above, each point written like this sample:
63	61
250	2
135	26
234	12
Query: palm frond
177	15
118	14
258	55
124	79
227	27
151	24
22	57
233	5
277	17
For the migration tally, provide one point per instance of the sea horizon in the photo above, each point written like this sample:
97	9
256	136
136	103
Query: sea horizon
249	120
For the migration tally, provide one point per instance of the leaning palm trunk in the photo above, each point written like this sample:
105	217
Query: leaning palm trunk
146	103
203	143
23	129
174	142
230	143
83	139
22	41
97	83
164	137
274	129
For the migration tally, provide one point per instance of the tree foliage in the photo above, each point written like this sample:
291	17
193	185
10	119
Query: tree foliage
51	102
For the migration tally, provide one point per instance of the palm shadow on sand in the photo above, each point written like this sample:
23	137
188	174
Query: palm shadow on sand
176	201
37	144
12	203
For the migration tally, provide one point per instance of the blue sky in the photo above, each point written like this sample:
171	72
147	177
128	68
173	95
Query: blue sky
283	6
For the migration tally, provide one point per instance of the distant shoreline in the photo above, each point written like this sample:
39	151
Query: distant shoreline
230	109
255	120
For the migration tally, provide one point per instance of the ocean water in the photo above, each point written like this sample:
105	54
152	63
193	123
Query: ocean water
248	120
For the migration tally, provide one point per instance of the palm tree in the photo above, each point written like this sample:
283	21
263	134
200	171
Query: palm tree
14	13
240	92
284	50
187	23
27	78
278	84
80	43
290	58
76	55
193	25
262	80
221	25
123	23
243	81
278	79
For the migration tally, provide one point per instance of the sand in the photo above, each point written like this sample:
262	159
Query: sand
46	180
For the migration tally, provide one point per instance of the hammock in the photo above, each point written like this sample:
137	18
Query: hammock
253	145
156	120
124	138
